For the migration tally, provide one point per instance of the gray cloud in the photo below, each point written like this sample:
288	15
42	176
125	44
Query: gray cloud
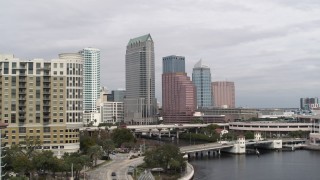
269	48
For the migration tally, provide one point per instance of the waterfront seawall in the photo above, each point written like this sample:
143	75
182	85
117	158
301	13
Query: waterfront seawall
189	172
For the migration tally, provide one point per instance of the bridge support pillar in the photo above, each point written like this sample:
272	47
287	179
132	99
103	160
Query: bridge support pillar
276	144
159	133
239	147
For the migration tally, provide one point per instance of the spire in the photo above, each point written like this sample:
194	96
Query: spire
200	65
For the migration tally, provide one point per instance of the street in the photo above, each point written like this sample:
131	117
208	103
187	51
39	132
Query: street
119	165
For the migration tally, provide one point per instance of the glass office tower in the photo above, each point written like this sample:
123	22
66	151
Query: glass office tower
201	77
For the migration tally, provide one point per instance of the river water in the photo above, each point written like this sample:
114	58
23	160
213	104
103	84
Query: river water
270	165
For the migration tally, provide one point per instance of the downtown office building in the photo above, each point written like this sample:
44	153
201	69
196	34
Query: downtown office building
201	77
178	92
42	100
140	104
224	94
110	107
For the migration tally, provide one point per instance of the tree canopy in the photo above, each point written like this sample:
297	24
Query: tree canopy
167	156
122	135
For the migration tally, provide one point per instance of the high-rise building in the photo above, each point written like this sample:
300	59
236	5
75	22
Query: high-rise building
223	94
201	77
140	102
173	64
91	84
309	103
116	95
178	92
91	78
42	99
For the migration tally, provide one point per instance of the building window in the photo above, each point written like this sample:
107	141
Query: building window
22	130
46	129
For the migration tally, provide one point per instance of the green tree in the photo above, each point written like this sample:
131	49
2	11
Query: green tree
167	156
122	135
45	161
210	130
76	160
22	164
297	134
86	142
253	119
197	121
229	136
249	135
95	152
108	146
19	157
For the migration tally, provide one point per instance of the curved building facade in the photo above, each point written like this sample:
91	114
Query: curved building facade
201	77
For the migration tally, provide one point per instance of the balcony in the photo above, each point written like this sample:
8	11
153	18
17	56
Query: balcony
22	98
46	80
46	92
22	80
46	104
22	92
45	86
46	97
22	111
22	74
22	86
46	73
22	118
22	104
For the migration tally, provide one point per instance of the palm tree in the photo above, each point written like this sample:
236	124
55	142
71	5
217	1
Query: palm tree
95	152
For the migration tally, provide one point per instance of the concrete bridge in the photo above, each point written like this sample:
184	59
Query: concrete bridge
240	146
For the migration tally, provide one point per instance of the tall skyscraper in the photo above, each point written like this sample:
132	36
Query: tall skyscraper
140	104
42	99
201	77
178	91
224	94
91	78
173	64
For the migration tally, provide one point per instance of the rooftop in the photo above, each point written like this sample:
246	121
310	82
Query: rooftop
200	65
140	39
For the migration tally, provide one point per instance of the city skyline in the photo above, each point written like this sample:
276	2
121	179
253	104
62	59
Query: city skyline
272	57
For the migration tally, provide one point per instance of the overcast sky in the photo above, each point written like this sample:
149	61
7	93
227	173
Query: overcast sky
269	48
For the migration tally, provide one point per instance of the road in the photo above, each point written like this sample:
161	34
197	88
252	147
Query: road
119	165
207	146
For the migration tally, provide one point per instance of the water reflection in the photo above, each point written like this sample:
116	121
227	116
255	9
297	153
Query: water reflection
284	165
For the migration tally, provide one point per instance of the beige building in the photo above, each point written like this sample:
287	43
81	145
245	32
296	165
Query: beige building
223	94
42	99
